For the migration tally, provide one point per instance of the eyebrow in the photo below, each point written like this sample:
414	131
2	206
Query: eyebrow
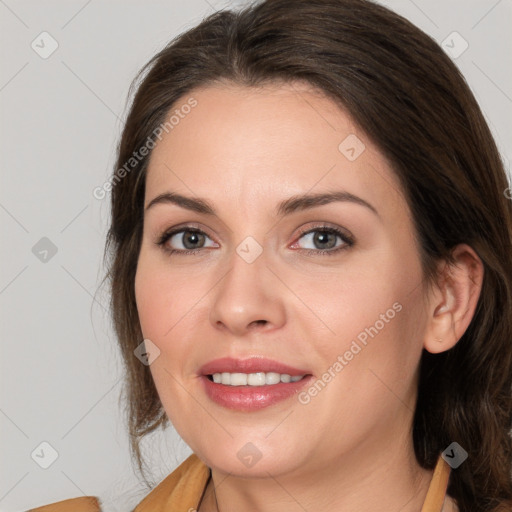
286	207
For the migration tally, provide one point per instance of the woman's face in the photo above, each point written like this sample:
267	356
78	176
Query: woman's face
329	288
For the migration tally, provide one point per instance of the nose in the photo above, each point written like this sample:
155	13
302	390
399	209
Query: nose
247	298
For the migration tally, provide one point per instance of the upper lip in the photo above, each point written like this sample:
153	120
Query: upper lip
249	365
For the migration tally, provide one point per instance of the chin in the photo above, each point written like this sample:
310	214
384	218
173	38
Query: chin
250	459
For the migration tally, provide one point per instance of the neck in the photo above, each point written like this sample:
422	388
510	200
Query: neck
377	476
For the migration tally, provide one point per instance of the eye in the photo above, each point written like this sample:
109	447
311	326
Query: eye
185	240
325	240
188	240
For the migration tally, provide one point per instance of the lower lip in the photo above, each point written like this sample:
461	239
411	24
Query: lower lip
251	398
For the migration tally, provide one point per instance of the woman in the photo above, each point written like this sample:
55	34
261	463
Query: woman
311	233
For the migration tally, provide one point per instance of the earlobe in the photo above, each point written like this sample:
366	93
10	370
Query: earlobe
452	303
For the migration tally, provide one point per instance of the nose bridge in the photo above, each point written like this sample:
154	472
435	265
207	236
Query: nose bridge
246	295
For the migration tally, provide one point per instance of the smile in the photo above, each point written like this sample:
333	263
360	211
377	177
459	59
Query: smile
251	384
253	379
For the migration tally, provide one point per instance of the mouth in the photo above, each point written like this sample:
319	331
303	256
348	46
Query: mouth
251	384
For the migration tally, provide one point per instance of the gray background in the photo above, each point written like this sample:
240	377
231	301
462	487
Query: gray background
61	118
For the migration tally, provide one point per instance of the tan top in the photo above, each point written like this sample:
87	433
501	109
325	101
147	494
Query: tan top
183	490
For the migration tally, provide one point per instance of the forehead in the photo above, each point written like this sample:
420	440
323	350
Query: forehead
255	146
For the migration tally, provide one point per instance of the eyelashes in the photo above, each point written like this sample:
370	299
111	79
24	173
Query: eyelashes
327	233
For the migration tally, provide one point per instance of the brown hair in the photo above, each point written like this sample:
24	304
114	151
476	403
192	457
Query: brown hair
411	100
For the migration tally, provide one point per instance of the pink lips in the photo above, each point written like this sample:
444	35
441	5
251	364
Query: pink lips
250	398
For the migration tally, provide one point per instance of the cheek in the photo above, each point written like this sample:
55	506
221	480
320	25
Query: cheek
368	292
163	302
373	318
170	310
162	297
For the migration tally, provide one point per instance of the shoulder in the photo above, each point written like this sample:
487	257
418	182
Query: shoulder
182	490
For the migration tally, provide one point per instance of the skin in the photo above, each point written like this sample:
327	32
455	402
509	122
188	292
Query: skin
350	447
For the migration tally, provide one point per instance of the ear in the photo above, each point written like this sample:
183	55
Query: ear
453	301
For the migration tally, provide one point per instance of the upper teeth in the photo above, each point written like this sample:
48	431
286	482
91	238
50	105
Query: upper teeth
253	379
